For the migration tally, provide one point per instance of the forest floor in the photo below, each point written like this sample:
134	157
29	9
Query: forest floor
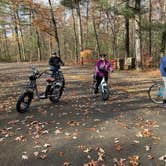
82	130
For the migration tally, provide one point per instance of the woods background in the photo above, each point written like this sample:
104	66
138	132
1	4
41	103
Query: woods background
30	30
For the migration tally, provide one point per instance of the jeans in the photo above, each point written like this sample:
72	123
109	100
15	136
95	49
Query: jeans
54	71
164	96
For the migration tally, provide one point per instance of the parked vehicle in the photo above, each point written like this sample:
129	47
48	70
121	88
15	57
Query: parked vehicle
53	92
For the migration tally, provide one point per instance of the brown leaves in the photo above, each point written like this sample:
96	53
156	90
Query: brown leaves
101	154
73	123
134	160
66	163
145	133
20	138
121	162
122	124
43	156
118	147
117	144
13	122
92	129
92	163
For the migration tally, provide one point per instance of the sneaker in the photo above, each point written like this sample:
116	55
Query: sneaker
43	96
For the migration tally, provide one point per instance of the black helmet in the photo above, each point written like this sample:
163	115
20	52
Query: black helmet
103	55
54	53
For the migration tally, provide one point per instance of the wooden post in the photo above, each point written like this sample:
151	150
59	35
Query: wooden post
82	61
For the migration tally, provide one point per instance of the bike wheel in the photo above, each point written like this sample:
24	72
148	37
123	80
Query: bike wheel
105	93
24	102
56	94
155	94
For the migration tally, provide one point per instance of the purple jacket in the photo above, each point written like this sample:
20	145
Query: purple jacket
102	68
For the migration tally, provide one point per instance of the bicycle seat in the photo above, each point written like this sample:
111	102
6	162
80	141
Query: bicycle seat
50	79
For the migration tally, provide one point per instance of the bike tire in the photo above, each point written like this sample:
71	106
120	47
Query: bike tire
105	94
24	102
56	94
153	93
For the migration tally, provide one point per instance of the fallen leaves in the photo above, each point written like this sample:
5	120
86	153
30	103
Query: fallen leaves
92	129
92	163
134	160
13	122
145	133
101	154
120	162
24	157
43	156
117	145
21	138
36	154
163	158
46	145
73	123
147	148
66	163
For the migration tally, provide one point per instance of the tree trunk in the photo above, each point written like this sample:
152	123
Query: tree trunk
38	46
96	34
39	52
21	35
127	37
150	29
6	45
87	21
138	47
17	38
80	26
55	26
75	37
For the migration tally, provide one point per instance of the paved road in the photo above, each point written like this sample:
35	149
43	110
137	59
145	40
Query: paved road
81	129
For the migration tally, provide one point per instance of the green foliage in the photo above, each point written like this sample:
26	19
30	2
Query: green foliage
127	12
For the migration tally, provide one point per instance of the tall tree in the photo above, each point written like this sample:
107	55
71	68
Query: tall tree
150	29
127	35
138	47
55	26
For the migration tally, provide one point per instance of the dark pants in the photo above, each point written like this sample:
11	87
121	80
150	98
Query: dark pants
98	81
54	71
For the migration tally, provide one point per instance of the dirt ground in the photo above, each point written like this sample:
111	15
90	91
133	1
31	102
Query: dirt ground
82	130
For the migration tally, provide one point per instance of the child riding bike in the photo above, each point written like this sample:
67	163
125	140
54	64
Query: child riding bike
102	69
55	62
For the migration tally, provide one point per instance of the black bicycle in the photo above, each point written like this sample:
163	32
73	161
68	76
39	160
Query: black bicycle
53	92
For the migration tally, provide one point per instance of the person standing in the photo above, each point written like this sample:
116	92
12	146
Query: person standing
163	74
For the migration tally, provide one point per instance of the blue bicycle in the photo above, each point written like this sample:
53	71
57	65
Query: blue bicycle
155	93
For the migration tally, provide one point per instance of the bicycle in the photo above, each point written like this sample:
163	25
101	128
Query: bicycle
103	89
155	93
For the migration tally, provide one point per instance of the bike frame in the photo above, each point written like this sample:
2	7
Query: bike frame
103	84
32	85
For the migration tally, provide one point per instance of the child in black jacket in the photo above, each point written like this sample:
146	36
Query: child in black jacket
55	62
